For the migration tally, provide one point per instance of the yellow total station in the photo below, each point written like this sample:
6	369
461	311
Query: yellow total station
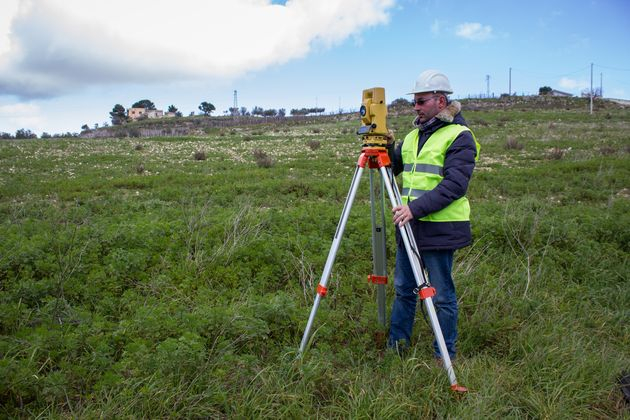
373	113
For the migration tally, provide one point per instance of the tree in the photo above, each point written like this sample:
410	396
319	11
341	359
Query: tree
118	115
306	111
282	112
401	103
173	109
85	127
25	134
206	108
545	90
234	111
144	103
244	111
586	93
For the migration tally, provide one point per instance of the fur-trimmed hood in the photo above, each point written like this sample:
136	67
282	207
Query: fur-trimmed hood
447	114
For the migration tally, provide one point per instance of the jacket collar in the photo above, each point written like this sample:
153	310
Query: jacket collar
447	115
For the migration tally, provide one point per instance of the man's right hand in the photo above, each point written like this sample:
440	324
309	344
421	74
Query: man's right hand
390	137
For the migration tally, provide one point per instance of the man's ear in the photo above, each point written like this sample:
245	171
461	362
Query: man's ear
443	103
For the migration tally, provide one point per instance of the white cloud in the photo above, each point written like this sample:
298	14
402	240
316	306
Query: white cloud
572	84
20	115
9	9
58	46
473	31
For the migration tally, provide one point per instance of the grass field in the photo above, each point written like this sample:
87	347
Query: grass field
173	276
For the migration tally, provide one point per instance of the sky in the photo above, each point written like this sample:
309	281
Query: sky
66	63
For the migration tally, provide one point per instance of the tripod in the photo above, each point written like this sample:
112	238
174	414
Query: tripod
375	157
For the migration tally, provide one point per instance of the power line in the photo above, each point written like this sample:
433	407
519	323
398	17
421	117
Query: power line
611	68
553	75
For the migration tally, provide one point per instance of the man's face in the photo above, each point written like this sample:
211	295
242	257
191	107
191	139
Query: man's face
428	105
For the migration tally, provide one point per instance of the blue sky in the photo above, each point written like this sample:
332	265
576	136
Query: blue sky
65	63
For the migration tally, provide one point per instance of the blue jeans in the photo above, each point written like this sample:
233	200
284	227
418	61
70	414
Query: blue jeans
439	265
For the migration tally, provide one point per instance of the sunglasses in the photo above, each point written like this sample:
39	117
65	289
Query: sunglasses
421	101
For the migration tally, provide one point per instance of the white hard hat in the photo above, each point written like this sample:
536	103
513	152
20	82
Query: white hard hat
432	81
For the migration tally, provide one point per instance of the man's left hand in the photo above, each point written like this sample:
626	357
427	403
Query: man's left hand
402	215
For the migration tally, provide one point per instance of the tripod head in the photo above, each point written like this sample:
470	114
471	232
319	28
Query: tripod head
373	111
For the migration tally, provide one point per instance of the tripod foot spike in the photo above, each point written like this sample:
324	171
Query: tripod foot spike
459	389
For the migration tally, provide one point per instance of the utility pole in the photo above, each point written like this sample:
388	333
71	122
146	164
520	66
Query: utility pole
487	86
510	84
601	86
591	95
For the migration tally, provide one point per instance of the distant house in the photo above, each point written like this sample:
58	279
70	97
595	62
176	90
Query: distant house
559	93
137	113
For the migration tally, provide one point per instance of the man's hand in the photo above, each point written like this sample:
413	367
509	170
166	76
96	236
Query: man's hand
390	137
402	215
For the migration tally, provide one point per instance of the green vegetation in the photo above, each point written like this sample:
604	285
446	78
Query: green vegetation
118	115
206	108
144	103
173	276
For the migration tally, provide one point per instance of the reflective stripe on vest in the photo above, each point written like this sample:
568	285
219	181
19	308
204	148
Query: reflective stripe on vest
424	167
424	171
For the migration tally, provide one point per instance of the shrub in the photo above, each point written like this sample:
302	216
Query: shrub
140	168
513	144
200	155
314	144
262	159
139	147
555	153
607	150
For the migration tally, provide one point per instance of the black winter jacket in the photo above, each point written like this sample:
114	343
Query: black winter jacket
458	168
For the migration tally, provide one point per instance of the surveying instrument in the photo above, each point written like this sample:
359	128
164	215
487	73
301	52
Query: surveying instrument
374	135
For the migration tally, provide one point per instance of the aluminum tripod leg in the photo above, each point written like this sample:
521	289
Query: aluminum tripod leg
419	274
323	282
379	245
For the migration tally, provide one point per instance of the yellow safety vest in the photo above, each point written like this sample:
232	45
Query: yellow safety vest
424	171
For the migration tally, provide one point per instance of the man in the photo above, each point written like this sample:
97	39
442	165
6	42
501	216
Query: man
436	159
